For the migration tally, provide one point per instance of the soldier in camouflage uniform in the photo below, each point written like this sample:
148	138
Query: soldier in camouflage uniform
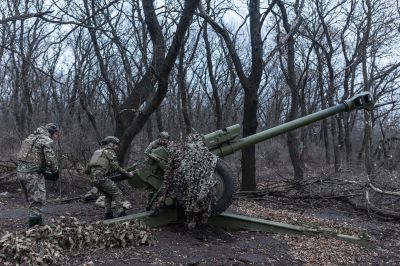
103	162
37	161
161	141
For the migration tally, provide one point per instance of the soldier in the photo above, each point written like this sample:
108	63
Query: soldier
103	162
161	141
37	162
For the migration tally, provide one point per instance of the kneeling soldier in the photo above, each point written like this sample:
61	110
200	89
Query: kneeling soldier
103	162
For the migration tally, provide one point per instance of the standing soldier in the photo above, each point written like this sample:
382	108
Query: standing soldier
161	141
103	162
37	161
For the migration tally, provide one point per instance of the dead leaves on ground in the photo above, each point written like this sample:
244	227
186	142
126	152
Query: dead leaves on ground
253	209
311	250
325	251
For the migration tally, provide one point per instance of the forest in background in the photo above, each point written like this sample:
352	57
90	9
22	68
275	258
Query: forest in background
135	68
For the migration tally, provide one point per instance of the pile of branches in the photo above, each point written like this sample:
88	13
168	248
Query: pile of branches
45	245
374	193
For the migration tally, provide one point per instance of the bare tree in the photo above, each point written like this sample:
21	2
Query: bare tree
250	84
129	118
374	34
213	81
290	75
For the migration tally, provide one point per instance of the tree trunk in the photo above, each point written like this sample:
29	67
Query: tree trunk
159	120
182	88
366	145
369	167
249	128
214	86
149	130
291	79
324	123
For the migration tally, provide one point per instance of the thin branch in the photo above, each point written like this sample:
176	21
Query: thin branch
392	193
24	16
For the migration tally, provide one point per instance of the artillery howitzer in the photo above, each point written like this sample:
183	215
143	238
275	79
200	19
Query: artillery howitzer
149	175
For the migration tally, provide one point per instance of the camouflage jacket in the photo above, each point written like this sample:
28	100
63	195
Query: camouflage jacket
103	162
154	144
37	153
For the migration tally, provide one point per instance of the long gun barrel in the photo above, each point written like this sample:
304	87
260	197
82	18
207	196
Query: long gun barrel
222	142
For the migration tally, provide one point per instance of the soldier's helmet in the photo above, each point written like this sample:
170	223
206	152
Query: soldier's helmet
164	135
52	128
110	139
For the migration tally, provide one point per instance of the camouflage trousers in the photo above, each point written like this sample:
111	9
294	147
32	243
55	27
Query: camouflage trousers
111	191
34	188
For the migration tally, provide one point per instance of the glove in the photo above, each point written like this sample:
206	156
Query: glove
53	176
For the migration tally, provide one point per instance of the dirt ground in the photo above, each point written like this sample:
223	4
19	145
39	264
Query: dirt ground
213	246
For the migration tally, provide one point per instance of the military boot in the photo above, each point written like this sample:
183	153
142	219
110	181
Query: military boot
108	215
35	220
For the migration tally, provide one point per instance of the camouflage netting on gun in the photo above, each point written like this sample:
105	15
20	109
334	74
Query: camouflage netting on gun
189	179
45	245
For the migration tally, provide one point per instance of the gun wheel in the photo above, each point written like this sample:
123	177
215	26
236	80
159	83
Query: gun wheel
225	187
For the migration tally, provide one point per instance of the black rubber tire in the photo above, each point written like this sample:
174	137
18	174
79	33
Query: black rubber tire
228	190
